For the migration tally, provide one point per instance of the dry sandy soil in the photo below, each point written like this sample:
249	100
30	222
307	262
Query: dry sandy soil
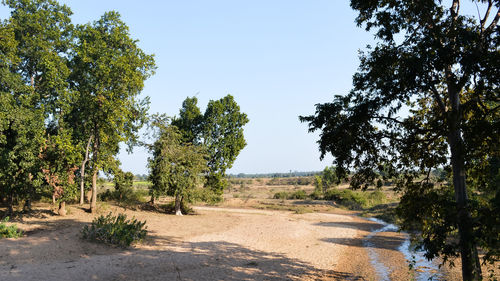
214	244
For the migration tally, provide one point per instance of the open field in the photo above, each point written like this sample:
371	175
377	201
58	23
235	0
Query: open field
248	237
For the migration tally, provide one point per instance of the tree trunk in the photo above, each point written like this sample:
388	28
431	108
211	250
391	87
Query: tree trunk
471	268
82	172
10	209
62	208
153	200
178	200
27	205
93	202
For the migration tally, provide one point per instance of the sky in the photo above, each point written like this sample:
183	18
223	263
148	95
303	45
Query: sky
277	58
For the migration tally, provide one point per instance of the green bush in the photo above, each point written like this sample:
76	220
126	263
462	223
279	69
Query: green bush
9	231
299	194
115	230
204	195
316	195
126	196
355	199
281	195
347	197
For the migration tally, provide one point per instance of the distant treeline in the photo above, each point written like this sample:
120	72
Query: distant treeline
276	175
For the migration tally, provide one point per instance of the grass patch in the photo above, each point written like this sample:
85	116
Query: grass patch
128	197
356	200
299	195
9	231
115	230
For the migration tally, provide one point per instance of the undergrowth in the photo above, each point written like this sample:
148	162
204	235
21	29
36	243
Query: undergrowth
9	231
115	230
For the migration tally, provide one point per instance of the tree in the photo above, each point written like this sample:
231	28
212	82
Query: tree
329	178
123	182
108	73
190	120
176	166
42	33
222	135
442	67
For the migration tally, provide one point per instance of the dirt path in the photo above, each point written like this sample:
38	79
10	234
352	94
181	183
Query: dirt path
216	244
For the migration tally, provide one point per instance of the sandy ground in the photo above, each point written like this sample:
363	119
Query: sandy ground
214	244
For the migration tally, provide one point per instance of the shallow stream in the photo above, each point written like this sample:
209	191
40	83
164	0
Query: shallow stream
424	269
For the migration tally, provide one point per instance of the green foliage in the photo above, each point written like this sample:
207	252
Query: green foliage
115	230
123	183
356	200
176	167
108	74
222	135
190	121
205	195
299	195
10	231
128	197
61	87
281	195
439	68
316	195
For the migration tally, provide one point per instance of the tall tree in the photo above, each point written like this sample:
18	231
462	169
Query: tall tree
176	166
43	32
190	120
442	67
222	135
21	126
108	74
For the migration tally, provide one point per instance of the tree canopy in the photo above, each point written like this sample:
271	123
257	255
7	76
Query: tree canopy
176	166
67	92
223	137
425	97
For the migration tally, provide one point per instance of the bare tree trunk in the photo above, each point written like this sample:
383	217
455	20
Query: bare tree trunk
471	268
178	200
82	172
93	202
62	208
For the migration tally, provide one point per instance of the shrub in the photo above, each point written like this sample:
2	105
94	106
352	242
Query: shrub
204	195
299	194
347	197
281	195
316	195
115	230
11	231
125	196
356	199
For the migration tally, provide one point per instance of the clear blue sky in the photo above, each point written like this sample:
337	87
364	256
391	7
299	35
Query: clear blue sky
277	58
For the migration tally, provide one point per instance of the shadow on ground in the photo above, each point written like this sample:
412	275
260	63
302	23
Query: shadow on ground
54	251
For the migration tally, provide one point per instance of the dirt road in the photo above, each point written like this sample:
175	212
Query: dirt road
215	244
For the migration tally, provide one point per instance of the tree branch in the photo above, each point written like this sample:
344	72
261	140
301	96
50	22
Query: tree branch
386	118
494	22
455	8
485	18
438	98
